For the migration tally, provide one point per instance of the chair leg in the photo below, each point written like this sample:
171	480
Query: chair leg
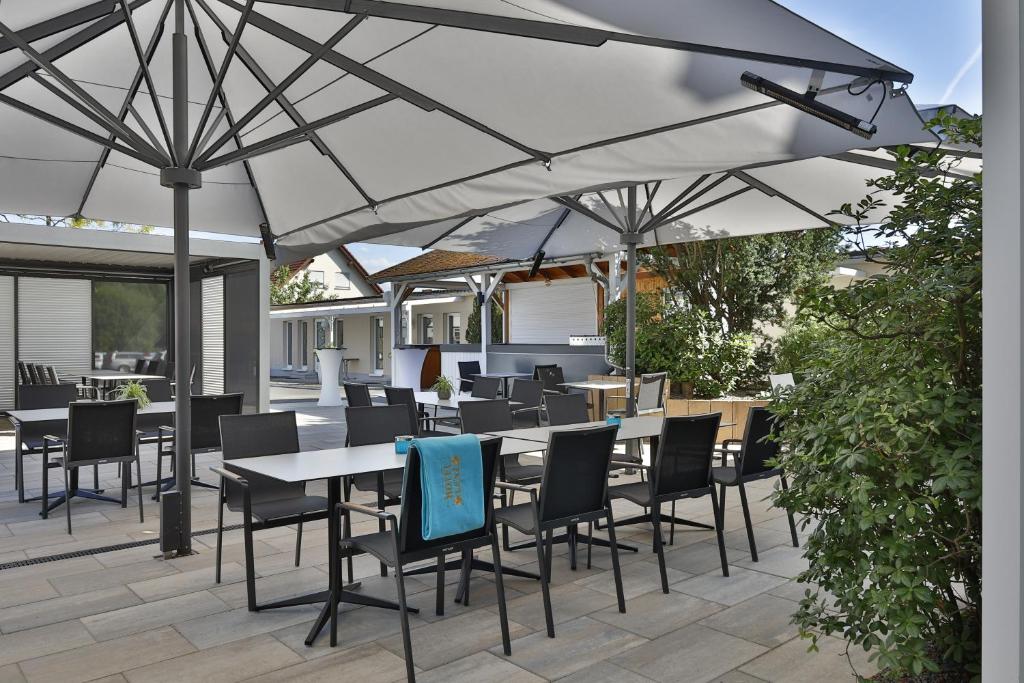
439	592
615	561
659	546
499	585
792	522
346	529
159	471
672	526
335	584
298	542
719	532
505	545
67	497
138	474
96	476
125	472
46	487
462	594
590	542
746	520
545	589
220	530
549	554
403	613
721	502
250	566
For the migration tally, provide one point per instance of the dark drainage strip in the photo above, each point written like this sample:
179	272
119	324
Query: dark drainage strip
103	549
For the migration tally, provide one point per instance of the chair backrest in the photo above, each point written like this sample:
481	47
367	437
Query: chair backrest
158	390
41	374
253	435
685	452
51	375
206	412
36	396
169	370
101	430
528	392
481	417
566	409
140	365
357	395
33	375
651	395
485	387
552	377
757	448
23	375
469	369
783	381
404	396
377	424
410	523
575	480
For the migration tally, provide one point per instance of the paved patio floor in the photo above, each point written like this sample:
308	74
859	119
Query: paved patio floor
125	615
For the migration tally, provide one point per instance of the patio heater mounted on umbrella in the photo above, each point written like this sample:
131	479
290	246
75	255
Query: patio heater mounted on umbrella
308	123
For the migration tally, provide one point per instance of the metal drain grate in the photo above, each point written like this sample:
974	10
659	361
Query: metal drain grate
102	549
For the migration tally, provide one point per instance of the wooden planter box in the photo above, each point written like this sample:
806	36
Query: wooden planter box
733	410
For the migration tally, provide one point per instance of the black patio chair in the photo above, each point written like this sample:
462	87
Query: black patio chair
41	375
529	394
552	377
750	463
153	367
158	391
51	375
681	469
650	398
23	376
98	432
37	397
140	366
357	395
573	490
373	425
403	543
265	503
419	419
566	409
205	412
486	387
468	370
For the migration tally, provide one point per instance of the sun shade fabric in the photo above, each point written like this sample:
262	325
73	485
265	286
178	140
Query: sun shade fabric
439	110
451	483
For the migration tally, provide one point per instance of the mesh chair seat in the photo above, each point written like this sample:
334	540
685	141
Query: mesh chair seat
523	474
380	545
519	517
392	482
728	475
638	492
265	511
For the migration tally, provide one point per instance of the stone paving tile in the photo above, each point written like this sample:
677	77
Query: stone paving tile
741	584
764	619
450	639
654	614
86	582
794	664
693	654
11	674
63	608
568	601
368	663
482	666
237	661
783	560
237	624
700	558
107	658
148	615
181	582
577	644
25	591
637	578
44	640
604	672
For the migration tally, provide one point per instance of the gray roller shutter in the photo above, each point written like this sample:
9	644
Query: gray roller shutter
548	314
8	373
55	323
213	335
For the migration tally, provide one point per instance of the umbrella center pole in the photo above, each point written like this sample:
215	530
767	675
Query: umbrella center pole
630	240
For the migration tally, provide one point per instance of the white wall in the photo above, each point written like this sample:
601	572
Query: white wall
547	313
341	280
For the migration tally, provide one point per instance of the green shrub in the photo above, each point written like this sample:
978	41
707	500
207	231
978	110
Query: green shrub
885	430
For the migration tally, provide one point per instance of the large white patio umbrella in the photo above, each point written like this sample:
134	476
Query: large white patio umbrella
307	122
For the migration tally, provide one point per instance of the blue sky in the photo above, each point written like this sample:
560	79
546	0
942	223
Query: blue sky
939	41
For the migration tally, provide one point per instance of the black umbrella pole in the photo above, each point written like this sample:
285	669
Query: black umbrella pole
630	240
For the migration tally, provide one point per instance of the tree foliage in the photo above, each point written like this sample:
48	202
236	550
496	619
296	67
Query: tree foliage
286	289
473	324
884	432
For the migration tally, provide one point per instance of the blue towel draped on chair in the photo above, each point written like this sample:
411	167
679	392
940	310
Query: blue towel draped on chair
451	479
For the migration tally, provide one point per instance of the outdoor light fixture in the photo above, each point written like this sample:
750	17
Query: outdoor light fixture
808	104
537	258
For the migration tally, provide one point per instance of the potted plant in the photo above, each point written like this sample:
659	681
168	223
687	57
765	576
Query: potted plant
133	390
443	386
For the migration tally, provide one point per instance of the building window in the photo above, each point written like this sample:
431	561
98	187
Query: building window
321	333
426	329
453	328
288	344
129	324
339	332
316	276
341	281
304	343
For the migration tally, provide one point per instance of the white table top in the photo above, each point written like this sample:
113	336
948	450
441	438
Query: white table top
112	376
429	398
631	428
344	462
47	414
599	385
503	375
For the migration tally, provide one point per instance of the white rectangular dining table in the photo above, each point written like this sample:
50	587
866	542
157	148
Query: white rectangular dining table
601	386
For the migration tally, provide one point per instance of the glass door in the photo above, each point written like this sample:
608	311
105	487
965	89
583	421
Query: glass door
304	344
288	358
378	344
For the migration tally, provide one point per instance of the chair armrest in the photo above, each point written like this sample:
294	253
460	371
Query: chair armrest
523	410
166	429
515	487
637	465
369	511
229	476
54	439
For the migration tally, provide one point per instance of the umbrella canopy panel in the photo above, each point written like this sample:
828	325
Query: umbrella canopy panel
333	122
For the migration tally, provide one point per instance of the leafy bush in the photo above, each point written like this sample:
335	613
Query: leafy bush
885	430
687	344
